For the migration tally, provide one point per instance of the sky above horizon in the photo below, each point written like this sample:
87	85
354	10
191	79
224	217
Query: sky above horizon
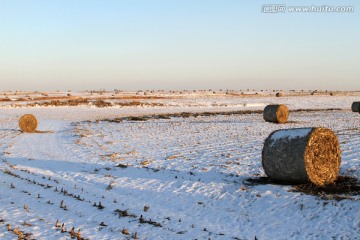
161	44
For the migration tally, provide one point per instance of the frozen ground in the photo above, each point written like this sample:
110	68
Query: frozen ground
178	178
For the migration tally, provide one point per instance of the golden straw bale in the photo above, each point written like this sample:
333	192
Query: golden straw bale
28	123
276	113
300	155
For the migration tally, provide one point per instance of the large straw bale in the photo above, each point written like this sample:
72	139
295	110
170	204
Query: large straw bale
301	155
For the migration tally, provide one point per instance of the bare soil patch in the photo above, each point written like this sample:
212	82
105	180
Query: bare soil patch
345	187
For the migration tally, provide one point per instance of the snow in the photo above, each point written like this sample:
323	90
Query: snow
191	172
290	133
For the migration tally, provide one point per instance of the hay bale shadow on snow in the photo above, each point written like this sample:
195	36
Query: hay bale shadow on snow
40	131
345	187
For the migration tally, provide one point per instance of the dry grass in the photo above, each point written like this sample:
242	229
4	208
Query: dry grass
140	97
57	102
99	102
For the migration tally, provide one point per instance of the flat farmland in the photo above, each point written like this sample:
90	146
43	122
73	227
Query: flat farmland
154	172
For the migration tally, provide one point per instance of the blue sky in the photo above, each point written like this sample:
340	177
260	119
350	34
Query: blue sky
177	44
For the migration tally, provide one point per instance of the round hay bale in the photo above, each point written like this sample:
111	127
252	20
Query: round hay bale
301	155
279	94
276	113
355	107
28	123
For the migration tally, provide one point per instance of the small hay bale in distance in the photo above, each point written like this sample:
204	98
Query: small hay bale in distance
355	107
276	113
279	94
302	155
28	123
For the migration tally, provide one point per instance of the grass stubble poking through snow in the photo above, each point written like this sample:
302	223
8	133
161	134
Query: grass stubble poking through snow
179	178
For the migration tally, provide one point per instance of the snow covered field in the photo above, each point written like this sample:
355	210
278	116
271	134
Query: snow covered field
177	178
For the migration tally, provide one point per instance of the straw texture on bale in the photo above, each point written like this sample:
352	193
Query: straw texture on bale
302	155
278	94
28	123
355	107
276	113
